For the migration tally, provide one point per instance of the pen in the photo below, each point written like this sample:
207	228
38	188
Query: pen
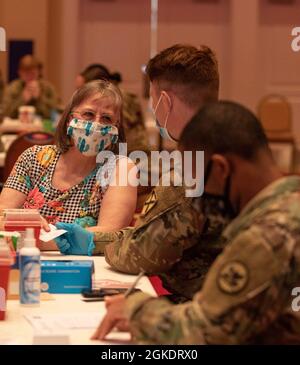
130	289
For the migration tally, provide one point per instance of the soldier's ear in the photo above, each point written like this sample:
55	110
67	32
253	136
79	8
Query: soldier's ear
220	167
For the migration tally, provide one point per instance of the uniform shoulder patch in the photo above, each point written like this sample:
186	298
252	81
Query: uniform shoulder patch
149	203
233	277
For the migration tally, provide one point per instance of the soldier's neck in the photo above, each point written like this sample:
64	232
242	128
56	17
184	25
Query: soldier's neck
253	180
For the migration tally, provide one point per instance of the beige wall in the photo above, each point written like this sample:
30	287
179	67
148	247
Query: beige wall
197	23
64	46
252	39
279	65
54	42
25	19
116	34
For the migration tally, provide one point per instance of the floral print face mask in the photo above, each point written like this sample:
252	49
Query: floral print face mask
91	138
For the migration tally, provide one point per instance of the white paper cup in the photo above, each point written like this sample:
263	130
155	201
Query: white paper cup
26	113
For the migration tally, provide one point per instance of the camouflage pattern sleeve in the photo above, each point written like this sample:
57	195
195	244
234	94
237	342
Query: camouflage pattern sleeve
47	101
169	225
151	209
187	276
101	239
134	125
12	99
246	292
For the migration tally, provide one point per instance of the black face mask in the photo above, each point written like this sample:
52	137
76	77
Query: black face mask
225	197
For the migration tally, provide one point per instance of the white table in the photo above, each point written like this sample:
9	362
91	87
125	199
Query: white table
14	125
17	330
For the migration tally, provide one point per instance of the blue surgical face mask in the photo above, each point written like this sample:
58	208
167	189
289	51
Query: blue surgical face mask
163	130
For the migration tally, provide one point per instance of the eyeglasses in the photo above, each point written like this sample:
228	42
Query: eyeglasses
89	115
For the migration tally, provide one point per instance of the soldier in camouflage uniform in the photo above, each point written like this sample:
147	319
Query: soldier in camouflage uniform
247	293
165	239
29	89
176	240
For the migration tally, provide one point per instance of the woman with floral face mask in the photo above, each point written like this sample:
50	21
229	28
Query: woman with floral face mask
63	180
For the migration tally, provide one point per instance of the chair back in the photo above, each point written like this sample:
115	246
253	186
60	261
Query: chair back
19	145
274	112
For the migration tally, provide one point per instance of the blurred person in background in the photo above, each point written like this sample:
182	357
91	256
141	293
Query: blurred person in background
29	89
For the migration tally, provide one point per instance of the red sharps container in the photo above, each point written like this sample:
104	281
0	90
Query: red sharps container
19	220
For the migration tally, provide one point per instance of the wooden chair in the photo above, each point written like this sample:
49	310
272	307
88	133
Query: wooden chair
274	112
23	142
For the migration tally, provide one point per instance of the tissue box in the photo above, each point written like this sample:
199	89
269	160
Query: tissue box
66	277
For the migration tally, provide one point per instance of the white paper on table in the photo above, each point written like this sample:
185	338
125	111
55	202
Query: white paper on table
64	321
54	233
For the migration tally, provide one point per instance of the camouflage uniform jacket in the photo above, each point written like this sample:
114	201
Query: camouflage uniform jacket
12	99
165	241
246	296
134	125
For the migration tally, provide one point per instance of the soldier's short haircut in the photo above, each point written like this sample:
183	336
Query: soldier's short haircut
190	72
226	128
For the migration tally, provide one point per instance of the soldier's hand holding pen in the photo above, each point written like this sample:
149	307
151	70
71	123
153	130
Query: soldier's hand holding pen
115	316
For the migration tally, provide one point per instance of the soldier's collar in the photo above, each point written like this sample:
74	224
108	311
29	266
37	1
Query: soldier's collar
283	185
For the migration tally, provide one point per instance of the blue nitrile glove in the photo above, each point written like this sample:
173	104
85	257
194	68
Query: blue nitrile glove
76	241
